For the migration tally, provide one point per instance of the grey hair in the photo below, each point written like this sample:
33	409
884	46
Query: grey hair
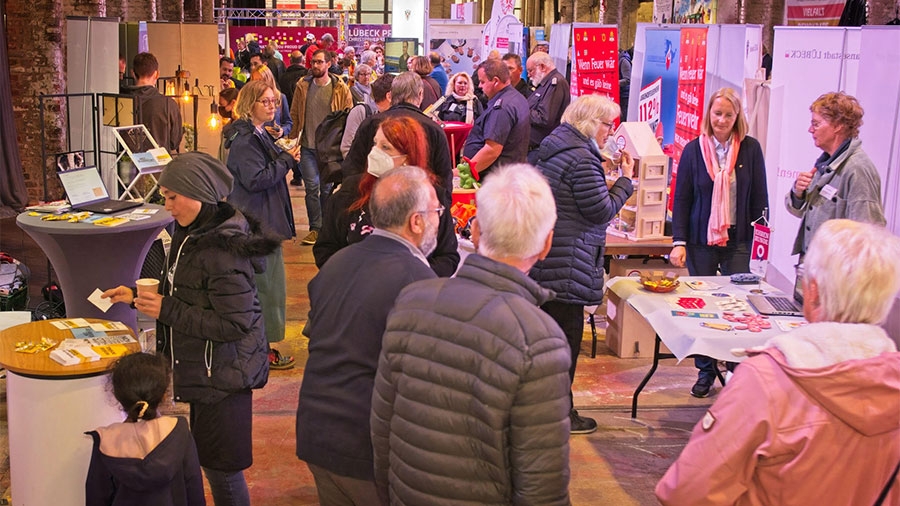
407	87
328	38
587	111
855	267
398	194
362	68
541	58
516	212
368	57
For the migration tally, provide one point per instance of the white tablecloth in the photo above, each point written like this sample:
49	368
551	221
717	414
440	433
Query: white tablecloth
684	335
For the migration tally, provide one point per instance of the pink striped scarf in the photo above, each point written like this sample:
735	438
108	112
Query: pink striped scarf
719	221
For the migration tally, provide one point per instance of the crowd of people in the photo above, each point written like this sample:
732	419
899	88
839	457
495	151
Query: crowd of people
449	383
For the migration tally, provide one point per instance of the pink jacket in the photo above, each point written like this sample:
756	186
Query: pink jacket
784	433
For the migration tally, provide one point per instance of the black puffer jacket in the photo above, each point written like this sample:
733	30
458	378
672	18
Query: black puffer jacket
584	208
210	323
471	401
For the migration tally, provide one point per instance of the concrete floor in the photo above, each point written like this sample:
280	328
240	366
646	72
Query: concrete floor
619	464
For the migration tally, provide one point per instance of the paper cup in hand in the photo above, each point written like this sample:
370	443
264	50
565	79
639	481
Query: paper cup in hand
149	285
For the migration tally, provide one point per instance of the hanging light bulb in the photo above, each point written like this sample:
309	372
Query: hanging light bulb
214	121
186	96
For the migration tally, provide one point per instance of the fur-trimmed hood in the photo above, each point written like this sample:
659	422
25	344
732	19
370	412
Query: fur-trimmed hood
231	230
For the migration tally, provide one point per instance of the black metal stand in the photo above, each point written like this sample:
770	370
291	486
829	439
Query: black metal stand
657	356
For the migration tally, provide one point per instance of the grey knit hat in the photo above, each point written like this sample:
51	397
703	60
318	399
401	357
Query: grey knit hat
198	176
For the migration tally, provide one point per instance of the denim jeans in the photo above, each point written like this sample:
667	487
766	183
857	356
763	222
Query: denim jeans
228	488
315	195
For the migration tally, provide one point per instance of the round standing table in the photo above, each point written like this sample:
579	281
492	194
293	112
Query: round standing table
87	256
50	407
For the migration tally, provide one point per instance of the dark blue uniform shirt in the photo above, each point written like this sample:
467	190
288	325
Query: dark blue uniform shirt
505	121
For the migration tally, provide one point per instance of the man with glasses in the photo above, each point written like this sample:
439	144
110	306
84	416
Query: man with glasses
315	96
350	299
548	100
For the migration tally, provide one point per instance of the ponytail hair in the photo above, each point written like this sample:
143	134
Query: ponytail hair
139	382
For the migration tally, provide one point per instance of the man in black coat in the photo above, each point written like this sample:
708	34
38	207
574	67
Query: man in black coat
547	102
291	75
350	299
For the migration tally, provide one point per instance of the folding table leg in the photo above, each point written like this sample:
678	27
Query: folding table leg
657	356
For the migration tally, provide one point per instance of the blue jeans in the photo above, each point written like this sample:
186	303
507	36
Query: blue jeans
228	488
315	195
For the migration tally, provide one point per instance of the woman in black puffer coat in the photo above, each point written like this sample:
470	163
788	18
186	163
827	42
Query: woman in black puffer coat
570	160
209	321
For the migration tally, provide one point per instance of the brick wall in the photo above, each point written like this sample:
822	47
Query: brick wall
36	65
768	14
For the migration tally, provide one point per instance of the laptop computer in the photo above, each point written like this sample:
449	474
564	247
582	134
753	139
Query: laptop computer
779	305
87	192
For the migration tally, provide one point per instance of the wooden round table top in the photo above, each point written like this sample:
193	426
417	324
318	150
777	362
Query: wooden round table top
40	365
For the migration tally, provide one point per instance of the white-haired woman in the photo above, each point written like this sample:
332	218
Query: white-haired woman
362	89
720	189
812	416
570	160
460	103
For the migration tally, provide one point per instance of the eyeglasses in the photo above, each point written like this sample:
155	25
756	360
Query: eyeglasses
608	124
439	211
266	102
816	124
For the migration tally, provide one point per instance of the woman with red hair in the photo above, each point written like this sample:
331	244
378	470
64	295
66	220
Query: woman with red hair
346	220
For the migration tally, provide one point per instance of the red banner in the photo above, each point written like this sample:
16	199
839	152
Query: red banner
691	85
814	12
288	38
595	69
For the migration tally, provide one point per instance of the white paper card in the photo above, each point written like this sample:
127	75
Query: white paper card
102	304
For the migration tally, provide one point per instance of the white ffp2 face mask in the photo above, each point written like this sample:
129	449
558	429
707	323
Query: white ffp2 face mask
379	162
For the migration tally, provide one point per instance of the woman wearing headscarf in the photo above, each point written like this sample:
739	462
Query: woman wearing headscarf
209	320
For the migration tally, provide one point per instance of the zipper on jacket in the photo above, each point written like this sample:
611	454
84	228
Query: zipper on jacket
171	289
207	357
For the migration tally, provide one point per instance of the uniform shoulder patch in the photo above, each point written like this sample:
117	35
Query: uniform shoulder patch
708	421
498	103
553	82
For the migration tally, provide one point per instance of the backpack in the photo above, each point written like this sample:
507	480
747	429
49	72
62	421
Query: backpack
328	144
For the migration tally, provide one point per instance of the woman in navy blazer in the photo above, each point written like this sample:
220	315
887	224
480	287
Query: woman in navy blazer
720	189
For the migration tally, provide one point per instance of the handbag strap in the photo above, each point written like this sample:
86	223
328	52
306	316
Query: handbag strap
887	486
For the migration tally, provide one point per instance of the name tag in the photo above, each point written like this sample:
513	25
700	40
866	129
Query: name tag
828	192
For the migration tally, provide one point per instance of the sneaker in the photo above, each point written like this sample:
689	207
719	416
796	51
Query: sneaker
279	361
702	386
311	238
296	182
581	424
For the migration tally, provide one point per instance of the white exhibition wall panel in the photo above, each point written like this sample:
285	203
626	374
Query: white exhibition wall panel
408	17
879	95
92	66
194	47
806	62
733	54
560	40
